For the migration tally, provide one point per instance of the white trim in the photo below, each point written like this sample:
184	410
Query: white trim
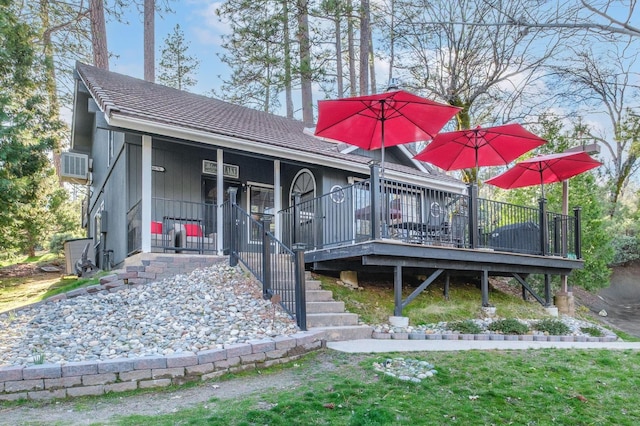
417	163
277	197
349	149
293	181
145	204
219	199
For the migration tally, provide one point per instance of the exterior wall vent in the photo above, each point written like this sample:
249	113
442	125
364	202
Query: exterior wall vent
74	167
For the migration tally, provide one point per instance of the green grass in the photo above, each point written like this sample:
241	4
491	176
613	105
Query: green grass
43	257
374	304
20	291
540	387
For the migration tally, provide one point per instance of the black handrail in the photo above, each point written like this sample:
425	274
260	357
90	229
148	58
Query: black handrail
279	269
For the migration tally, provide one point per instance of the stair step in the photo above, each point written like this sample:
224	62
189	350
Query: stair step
312	285
319	296
348	332
325	307
331	319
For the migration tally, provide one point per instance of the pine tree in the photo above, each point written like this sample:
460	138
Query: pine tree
28	131
176	66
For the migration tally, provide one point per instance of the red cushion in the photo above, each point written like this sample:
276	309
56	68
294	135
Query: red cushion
156	227
193	230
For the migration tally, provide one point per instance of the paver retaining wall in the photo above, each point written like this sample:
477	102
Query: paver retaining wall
52	381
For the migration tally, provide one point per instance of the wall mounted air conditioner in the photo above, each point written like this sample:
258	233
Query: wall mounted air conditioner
74	167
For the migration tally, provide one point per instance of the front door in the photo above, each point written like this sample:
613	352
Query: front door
261	205
210	197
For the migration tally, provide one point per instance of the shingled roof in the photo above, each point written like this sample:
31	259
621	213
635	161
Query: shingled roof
119	95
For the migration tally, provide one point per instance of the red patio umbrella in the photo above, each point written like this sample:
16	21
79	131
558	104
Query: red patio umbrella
545	169
490	146
385	119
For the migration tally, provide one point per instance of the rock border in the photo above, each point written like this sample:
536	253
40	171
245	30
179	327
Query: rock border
85	378
491	336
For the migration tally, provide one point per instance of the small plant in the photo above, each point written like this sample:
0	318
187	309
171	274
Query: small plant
465	327
509	326
592	331
38	356
552	326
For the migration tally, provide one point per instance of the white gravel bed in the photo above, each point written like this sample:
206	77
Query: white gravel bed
203	310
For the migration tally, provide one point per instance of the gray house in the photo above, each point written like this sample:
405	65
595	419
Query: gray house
174	172
159	163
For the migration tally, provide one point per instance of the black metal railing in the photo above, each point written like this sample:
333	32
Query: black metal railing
279	269
427	216
176	226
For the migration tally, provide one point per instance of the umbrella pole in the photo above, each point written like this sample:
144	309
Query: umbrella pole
382	186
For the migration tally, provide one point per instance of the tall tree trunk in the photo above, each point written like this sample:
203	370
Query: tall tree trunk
288	92
149	40
392	42
364	47
372	65
352	50
339	74
98	34
305	62
50	77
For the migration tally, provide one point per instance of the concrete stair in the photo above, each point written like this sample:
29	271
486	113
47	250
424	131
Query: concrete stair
327	315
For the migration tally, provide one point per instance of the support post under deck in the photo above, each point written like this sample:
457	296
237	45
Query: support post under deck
484	287
397	290
547	290
447	280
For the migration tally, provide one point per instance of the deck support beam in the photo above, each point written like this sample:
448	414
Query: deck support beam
547	290
484	288
525	285
420	289
447	281
397	291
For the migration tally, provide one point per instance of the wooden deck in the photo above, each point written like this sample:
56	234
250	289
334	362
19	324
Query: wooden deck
392	256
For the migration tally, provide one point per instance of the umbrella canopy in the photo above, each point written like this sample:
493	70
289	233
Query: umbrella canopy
545	169
490	146
385	119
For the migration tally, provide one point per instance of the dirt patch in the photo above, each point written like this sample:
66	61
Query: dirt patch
621	300
32	270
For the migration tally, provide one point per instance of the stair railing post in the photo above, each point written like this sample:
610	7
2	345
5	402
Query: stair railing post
300	286
374	202
265	222
233	224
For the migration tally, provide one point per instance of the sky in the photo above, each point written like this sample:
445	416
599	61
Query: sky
202	30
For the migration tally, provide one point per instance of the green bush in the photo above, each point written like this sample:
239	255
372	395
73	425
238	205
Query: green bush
465	327
592	331
509	326
626	248
552	326
56	244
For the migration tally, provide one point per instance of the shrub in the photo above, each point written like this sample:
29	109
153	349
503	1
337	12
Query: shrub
56	244
552	326
509	326
626	249
592	331
465	327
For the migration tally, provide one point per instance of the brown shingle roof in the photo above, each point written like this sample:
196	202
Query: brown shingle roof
118	94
